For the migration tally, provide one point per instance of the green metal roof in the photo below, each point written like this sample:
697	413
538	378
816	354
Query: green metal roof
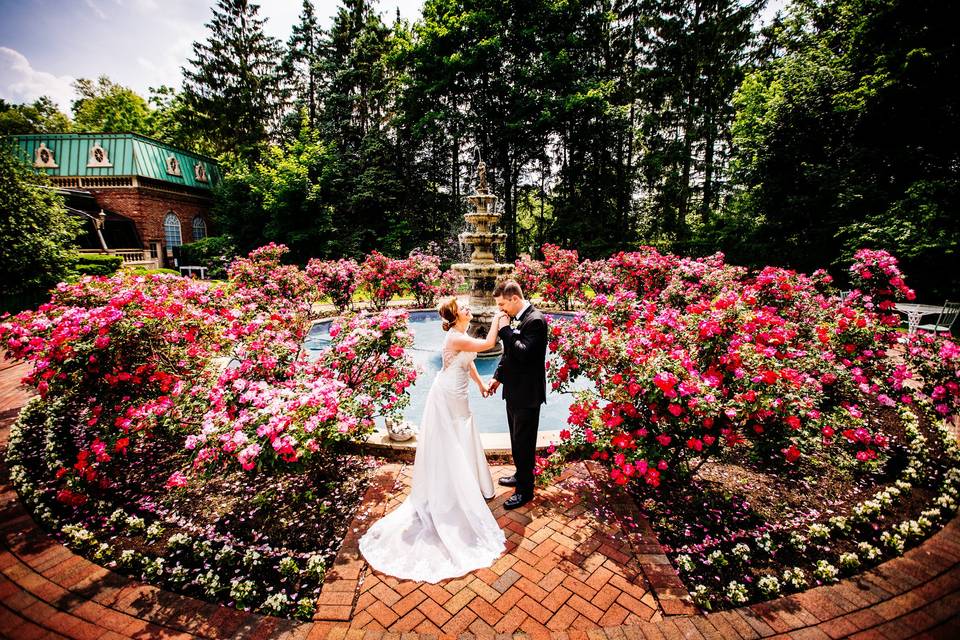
130	154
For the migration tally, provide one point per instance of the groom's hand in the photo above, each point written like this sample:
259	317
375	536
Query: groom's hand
492	386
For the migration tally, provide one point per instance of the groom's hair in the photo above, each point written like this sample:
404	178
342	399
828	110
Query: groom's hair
507	289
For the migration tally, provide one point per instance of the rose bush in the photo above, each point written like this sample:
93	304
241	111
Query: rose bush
422	277
268	411
119	353
382	277
128	354
691	357
335	279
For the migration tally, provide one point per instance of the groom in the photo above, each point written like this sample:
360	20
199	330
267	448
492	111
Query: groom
522	373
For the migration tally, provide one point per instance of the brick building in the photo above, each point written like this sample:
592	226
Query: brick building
152	195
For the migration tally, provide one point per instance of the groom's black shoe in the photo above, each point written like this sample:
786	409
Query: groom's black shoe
517	500
509	481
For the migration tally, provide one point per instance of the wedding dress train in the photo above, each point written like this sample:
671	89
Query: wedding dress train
443	529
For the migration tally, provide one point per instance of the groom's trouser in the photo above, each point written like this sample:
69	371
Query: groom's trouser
523	422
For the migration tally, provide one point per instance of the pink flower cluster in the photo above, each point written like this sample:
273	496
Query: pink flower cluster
261	282
690	356
382	277
223	365
117	349
268	416
423	278
335	279
934	367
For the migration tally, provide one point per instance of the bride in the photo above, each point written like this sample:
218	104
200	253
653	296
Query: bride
444	529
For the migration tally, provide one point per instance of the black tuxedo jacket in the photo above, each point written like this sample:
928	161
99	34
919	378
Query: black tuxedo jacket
521	370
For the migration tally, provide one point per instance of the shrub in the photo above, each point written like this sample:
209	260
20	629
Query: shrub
214	252
274	409
335	279
112	350
36	232
562	278
382	277
95	264
694	356
422	276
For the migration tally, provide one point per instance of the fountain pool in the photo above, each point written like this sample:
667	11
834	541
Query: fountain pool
489	413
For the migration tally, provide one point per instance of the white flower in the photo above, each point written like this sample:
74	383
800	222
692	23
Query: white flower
685	563
241	590
741	551
154	531
849	561
868	550
135	523
701	595
769	585
737	592
818	531
288	566
178	540
825	571
795	578
716	558
275	604
78	535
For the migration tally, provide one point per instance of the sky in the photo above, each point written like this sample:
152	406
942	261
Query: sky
47	44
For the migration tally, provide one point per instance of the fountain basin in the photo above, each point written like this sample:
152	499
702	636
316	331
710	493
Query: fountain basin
482	269
489	413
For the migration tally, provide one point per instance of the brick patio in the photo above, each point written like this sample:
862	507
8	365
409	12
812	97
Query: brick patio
580	566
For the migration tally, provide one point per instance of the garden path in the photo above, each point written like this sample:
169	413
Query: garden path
572	572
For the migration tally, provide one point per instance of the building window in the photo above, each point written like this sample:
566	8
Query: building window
171	231
200	172
199	228
43	157
173	166
98	157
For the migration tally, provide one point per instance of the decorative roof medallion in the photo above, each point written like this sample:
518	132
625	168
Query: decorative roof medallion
98	157
43	158
173	167
200	172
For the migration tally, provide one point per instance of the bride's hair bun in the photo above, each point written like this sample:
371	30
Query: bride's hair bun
449	312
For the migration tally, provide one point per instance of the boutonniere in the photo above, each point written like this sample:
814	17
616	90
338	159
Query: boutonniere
514	324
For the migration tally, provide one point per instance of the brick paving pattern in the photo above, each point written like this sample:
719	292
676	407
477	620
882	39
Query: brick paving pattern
569	574
566	567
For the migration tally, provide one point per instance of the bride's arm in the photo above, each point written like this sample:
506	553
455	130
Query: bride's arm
475	376
467	343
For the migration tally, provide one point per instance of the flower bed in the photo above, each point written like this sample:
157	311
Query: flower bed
182	435
258	544
776	435
759	418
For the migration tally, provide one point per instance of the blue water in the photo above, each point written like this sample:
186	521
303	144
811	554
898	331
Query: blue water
489	413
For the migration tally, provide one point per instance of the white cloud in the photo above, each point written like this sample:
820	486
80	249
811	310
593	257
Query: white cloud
20	82
97	10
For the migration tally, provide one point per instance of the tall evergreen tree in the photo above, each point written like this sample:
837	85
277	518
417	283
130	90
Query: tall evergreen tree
845	139
695	55
232	82
301	62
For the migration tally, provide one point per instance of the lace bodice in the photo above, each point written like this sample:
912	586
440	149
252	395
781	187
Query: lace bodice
453	357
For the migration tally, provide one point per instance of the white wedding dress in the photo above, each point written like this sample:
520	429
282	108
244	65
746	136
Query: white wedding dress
443	529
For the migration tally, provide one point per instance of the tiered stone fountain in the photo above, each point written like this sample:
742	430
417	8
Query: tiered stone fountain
482	271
